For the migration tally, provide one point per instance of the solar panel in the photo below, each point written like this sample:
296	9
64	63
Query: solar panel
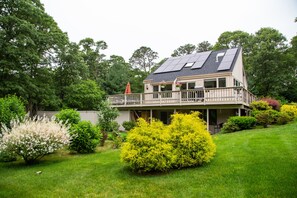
178	67
201	60
227	59
163	66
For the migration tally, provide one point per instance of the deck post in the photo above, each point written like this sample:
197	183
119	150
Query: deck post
207	119
151	115
239	112
140	98
125	99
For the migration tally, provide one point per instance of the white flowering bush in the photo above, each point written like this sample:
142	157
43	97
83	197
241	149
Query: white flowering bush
34	138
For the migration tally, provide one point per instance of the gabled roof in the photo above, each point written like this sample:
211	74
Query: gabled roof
168	71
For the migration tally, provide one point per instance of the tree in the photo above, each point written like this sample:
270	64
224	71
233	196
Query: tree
91	53
204	46
86	95
28	40
71	68
143	58
268	71
118	75
233	39
184	50
106	118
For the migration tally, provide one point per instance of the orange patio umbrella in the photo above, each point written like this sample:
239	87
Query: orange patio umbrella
128	88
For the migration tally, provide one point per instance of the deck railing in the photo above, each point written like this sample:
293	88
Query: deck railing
207	96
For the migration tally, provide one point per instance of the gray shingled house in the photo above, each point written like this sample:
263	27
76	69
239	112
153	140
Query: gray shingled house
212	82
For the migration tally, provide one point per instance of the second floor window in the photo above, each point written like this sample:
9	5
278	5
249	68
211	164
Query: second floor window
210	83
222	82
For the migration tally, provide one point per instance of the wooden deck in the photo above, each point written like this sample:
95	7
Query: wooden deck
216	96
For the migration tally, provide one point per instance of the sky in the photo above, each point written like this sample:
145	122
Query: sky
164	25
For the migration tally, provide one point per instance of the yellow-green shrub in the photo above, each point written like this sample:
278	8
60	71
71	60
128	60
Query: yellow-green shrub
192	143
148	148
291	110
260	105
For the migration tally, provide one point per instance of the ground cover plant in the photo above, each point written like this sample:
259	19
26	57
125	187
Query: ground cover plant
253	163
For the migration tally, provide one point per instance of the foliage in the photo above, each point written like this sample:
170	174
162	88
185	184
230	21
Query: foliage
229	127
11	107
6	156
148	148
192	143
283	118
128	125
115	83
269	70
34	138
106	119
84	137
93	58
68	116
290	109
204	46
275	104
29	38
143	58
260	105
83	96
184	50
264	118
238	123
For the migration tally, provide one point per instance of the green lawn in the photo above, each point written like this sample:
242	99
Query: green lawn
255	163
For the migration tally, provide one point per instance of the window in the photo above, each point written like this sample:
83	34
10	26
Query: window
155	89
183	86
222	82
210	83
236	83
189	64
191	85
166	90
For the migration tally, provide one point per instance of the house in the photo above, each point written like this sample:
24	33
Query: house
212	82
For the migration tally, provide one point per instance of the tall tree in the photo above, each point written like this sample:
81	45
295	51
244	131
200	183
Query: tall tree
70	69
91	52
143	58
28	39
234	39
204	46
268	71
184	50
118	75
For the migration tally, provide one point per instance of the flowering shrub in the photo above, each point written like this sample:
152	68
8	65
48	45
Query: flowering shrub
69	116
260	105
192	143
275	104
147	147
84	137
33	139
291	110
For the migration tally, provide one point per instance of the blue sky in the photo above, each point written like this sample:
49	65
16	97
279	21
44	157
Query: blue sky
165	25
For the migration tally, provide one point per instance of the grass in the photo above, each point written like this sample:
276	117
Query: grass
252	163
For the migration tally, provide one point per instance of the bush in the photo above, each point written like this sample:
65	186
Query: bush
11	107
192	143
264	118
274	115
260	105
128	125
291	110
237	123
68	116
283	118
34	139
275	104
148	148
84	137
